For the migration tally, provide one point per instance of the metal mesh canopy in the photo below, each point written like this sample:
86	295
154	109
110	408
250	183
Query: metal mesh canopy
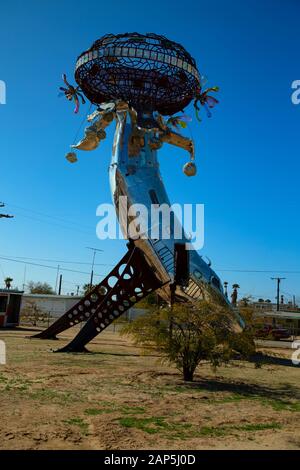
149	72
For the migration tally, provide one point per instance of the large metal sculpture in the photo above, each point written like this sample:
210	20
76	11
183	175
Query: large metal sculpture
135	80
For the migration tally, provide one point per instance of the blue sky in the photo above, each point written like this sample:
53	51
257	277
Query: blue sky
247	154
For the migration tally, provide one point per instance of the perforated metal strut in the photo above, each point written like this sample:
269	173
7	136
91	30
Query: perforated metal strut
130	280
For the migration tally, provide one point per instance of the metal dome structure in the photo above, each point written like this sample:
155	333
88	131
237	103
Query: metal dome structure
148	71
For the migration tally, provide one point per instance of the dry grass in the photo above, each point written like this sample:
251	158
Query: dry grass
117	398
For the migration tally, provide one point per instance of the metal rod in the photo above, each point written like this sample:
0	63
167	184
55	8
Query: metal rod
93	262
60	282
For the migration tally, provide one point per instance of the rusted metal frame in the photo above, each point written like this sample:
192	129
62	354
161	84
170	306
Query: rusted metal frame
119	299
83	309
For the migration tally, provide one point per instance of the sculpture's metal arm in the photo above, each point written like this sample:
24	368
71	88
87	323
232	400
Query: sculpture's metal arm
104	119
95	132
173	138
179	141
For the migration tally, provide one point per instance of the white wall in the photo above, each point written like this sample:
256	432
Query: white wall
55	305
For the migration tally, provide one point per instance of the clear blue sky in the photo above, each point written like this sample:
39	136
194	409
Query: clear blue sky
247	154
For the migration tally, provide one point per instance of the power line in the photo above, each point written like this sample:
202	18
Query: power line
58	261
43	214
257	271
112	265
46	266
5	216
67	223
2	271
54	223
70	282
288	293
103	264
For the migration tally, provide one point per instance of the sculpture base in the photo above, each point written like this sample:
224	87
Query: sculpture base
130	280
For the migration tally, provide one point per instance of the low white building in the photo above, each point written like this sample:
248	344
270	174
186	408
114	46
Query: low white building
52	305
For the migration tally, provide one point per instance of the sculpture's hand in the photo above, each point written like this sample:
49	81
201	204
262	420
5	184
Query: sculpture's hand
94	133
179	141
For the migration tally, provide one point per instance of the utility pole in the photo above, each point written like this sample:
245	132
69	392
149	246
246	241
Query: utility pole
278	279
60	282
57	273
93	262
24	278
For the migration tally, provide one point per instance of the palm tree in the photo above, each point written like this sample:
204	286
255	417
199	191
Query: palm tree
245	301
235	286
8	281
234	294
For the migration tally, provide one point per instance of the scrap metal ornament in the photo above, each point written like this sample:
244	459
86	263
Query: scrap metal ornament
150	76
71	93
71	157
189	169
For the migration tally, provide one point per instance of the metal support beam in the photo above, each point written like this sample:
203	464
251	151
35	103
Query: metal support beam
130	281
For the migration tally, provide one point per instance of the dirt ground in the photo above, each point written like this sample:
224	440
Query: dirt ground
118	398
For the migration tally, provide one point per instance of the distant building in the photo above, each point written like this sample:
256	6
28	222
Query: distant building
10	302
269	306
52	305
288	314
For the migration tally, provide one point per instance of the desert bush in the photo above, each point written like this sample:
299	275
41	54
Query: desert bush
188	334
